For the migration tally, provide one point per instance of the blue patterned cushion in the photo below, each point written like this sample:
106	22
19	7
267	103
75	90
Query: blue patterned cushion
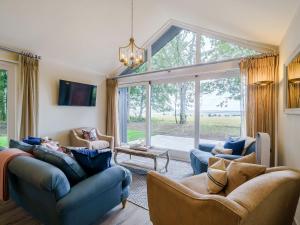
93	161
21	145
69	166
237	146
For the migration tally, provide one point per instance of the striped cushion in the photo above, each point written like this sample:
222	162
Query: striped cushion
217	177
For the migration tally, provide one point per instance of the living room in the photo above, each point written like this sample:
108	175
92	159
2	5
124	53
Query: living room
112	112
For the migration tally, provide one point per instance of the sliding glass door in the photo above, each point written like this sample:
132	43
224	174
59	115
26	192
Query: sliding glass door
220	108
172	115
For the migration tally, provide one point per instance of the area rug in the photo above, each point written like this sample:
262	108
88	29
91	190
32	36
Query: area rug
138	190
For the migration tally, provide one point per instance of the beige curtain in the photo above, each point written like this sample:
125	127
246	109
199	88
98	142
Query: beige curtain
294	88
261	107
112	121
28	97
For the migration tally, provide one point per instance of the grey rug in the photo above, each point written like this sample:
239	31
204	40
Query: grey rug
138	190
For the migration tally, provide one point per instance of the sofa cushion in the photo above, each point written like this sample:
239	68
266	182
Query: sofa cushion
33	140
198	183
239	173
99	145
93	161
245	159
21	145
237	146
69	166
90	135
217	177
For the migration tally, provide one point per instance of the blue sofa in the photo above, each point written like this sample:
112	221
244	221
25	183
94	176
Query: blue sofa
44	191
199	157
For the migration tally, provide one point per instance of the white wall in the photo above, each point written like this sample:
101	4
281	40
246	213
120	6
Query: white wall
289	125
56	121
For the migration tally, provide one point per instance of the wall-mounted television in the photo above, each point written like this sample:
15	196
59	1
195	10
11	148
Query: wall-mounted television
76	94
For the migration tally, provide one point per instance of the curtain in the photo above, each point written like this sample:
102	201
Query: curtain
28	97
112	122
261	103
294	88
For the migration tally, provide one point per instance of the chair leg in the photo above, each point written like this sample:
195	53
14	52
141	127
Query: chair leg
124	203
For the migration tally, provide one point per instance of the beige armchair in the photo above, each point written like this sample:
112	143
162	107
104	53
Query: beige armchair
269	199
76	138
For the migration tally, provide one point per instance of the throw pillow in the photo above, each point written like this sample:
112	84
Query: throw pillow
93	161
21	145
69	166
217	177
90	135
237	146
248	142
33	140
251	158
239	173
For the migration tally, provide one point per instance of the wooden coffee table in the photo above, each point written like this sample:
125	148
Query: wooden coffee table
150	154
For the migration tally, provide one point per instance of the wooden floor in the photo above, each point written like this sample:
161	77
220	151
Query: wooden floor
11	214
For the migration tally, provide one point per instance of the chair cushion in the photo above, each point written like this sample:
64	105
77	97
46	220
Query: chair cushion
245	159
99	145
217	177
237	146
90	135
239	173
21	145
198	184
93	161
69	166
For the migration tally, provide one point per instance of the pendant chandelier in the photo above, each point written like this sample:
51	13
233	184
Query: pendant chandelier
131	55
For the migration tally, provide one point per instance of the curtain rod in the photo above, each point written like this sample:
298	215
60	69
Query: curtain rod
19	52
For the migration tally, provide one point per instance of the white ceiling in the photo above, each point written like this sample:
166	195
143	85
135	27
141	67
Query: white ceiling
87	33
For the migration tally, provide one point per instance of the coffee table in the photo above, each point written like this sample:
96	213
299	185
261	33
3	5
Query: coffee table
150	154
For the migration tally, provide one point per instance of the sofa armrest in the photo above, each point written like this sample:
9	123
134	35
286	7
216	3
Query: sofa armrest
41	175
87	190
228	157
110	139
206	147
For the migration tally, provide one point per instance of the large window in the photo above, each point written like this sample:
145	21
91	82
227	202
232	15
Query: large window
3	108
172	115
179	113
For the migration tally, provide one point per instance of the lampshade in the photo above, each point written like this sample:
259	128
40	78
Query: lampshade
294	72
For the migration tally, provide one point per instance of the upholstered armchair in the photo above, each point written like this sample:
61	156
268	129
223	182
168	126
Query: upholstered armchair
269	199
77	140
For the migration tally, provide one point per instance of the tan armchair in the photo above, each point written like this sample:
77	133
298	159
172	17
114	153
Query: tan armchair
269	199
76	138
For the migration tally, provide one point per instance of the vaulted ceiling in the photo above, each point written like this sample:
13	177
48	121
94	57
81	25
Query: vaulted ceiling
87	33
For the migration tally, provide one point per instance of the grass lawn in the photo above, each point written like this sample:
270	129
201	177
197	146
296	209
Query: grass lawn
213	128
3	141
135	135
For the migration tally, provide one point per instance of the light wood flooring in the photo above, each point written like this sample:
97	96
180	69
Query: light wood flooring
11	214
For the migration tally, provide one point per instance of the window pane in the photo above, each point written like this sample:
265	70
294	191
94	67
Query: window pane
220	108
180	51
215	50
132	114
172	115
3	108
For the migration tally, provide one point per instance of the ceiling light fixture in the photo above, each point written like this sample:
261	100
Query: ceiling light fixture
131	55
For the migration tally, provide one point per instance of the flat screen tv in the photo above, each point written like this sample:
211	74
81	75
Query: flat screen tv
76	94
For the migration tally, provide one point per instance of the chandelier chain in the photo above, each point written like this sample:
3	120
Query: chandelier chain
131	18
